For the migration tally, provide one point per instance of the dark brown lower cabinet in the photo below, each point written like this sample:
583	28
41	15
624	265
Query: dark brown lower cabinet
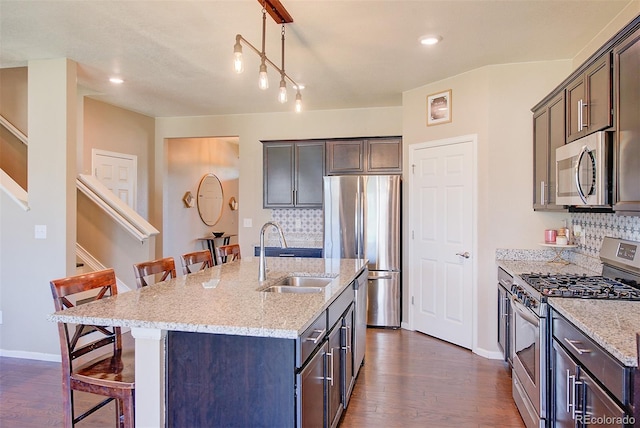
312	386
334	380
217	380
221	380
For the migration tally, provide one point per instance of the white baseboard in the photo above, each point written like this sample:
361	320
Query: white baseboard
492	355
30	355
406	326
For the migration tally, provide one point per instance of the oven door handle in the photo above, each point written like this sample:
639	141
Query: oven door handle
524	312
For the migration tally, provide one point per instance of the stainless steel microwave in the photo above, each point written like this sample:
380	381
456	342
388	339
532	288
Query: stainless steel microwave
583	171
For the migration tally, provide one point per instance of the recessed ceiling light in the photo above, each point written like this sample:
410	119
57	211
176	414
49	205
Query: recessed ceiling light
430	40
116	80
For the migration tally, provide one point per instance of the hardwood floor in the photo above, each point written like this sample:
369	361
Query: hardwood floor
413	380
408	380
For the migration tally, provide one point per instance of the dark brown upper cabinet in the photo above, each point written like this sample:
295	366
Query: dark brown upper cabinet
588	100
548	135
292	174
626	58
364	156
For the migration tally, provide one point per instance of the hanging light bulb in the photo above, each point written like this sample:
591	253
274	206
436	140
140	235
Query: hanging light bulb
298	101
238	64
263	79
282	94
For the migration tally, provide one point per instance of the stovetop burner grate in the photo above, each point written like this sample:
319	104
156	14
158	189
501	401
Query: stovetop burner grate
586	287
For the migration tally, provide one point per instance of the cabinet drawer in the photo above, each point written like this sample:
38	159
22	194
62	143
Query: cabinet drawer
340	305
591	356
311	339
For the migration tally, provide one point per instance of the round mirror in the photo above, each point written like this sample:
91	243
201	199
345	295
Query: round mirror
210	199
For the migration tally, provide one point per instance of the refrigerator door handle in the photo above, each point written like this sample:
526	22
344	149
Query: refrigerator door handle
375	278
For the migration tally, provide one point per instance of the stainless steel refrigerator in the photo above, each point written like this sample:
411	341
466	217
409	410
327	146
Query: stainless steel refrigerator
362	220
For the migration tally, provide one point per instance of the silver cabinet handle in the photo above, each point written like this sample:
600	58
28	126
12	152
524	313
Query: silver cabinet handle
573	344
330	378
543	200
319	334
466	254
581	106
570	378
347	335
579	115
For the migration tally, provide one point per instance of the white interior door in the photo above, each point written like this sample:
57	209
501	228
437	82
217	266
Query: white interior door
442	239
117	171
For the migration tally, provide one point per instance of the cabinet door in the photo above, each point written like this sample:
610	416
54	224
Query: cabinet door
589	100
597	405
576	100
346	358
503	321
384	155
309	171
627	146
311	382
540	158
278	182
556	139
334	391
548	135
345	157
563	393
598	86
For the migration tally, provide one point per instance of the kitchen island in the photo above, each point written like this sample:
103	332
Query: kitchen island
211	308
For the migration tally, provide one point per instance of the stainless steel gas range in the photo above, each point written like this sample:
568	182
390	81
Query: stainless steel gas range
530	319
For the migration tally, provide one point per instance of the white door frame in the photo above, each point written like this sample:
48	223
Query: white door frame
413	205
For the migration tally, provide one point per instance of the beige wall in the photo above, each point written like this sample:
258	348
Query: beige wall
189	159
115	129
26	264
493	102
624	17
13	96
13	107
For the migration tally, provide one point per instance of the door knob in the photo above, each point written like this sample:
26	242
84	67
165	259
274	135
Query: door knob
465	254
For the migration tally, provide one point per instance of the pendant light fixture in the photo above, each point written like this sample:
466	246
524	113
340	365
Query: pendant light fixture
281	16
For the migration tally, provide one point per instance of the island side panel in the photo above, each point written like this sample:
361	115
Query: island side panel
223	380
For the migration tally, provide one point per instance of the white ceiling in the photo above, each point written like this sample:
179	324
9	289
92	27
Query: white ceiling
176	56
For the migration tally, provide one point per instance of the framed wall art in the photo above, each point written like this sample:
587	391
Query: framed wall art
439	108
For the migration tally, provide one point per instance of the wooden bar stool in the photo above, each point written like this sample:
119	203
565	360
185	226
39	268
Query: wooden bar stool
228	253
93	359
198	257
165	266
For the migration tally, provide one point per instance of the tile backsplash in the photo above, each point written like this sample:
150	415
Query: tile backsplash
301	227
595	226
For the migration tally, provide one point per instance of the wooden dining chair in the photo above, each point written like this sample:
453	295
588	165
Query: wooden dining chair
197	257
93	358
228	253
143	270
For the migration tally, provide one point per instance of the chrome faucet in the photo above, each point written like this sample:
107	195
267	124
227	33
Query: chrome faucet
262	273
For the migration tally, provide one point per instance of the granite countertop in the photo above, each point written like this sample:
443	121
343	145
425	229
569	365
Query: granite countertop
612	324
516	267
224	299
